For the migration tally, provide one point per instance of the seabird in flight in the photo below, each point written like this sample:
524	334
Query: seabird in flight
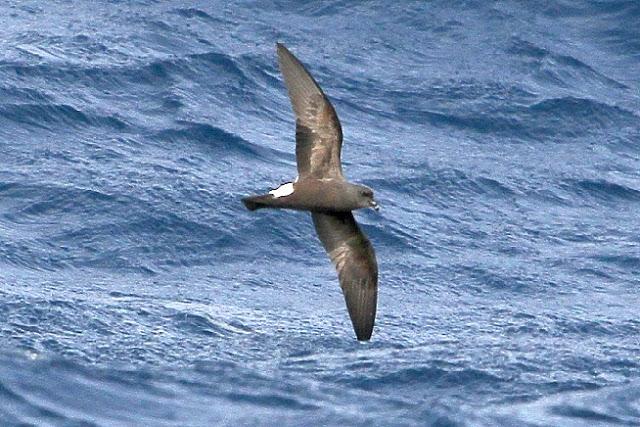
322	189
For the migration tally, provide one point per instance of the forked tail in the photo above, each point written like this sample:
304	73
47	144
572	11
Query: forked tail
258	202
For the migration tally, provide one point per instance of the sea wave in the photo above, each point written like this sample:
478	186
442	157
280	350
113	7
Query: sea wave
500	140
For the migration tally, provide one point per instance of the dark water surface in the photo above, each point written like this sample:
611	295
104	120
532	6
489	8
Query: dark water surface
502	140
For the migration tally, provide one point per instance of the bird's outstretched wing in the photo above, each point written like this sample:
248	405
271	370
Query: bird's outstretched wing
354	259
318	130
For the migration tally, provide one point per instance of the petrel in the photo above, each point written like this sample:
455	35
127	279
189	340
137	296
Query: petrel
322	189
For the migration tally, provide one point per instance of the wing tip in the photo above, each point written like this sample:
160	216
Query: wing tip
363	325
364	334
281	48
361	305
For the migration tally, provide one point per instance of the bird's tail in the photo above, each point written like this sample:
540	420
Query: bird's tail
258	202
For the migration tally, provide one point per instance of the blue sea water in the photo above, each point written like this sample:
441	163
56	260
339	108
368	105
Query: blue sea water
502	140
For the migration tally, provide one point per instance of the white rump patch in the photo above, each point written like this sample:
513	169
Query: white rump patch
283	190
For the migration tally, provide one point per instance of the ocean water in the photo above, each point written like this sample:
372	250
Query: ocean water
502	140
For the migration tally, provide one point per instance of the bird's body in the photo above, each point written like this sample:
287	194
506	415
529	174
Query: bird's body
322	190
311	194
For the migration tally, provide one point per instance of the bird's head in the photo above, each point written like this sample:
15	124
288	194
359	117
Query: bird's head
365	197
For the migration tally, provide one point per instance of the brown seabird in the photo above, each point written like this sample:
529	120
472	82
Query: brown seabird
322	189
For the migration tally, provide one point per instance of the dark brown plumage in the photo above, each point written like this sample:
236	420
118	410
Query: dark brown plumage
322	189
354	259
318	130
